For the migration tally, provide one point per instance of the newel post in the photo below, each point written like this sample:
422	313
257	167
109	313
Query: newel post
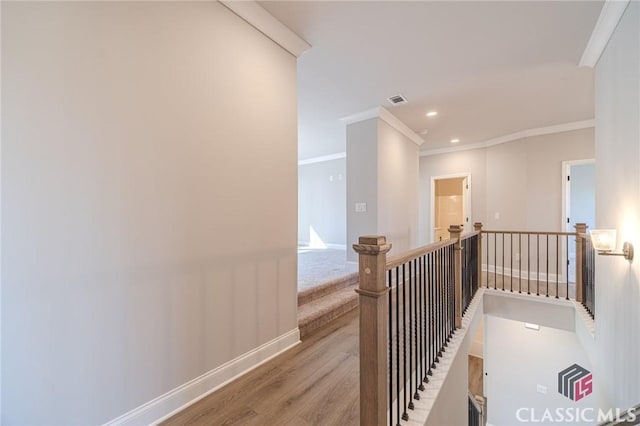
581	228
454	232
372	251
478	227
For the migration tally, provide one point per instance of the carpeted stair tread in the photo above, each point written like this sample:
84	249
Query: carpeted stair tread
317	292
325	309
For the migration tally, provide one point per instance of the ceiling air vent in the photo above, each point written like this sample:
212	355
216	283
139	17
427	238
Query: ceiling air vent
397	100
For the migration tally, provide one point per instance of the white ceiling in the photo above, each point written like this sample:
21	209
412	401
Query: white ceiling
488	68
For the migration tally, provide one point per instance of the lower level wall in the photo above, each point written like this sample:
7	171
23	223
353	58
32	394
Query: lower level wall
446	410
521	375
521	365
453	392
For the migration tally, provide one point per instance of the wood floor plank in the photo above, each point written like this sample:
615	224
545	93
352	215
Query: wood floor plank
315	383
336	400
300	389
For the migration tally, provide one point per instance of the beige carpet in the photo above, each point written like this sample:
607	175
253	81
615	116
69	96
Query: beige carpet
326	287
318	266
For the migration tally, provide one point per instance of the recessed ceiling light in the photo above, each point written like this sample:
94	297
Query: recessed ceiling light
455	140
532	326
432	113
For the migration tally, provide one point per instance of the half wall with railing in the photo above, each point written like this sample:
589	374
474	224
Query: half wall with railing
540	263
412	304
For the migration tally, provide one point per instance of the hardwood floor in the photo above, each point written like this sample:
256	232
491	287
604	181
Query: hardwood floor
315	383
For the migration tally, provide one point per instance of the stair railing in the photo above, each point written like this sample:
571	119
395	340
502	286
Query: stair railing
585	270
410	306
477	415
538	263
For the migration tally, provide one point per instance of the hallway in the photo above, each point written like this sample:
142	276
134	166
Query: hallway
315	383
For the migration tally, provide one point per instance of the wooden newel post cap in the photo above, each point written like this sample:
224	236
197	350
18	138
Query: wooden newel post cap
372	244
453	229
581	228
477	226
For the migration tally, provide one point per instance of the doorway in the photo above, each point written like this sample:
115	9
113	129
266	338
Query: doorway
579	189
450	204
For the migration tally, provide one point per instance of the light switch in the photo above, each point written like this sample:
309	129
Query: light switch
496	216
541	389
361	207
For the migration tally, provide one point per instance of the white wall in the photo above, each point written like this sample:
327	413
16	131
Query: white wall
545	155
148	202
450	405
397	188
382	171
521	181
362	181
618	206
517	360
322	201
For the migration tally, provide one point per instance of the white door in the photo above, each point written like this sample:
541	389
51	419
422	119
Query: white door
580	203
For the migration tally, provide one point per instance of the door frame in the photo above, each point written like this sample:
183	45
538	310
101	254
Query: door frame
566	209
566	189
466	200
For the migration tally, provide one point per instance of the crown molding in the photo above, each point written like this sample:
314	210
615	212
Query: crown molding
539	131
268	25
610	15
361	116
394	122
322	158
383	114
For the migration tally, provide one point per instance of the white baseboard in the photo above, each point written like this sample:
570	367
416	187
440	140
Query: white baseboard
165	406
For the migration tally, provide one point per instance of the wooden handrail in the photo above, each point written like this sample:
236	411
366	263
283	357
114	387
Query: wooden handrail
379	309
407	256
467	235
415	253
531	232
441	296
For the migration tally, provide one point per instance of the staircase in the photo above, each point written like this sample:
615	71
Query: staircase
322	304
